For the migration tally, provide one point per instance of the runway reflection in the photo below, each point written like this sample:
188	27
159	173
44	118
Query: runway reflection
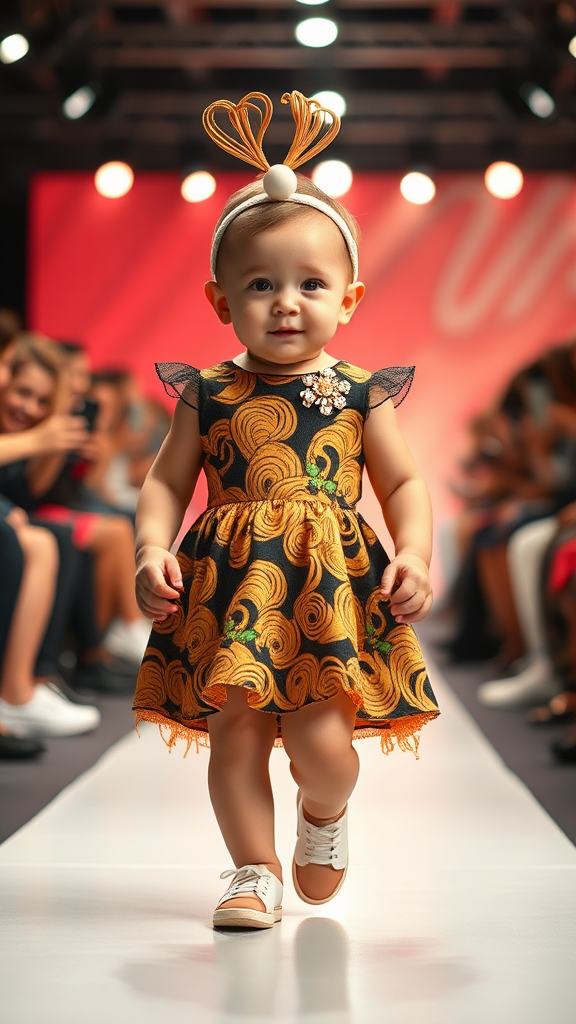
321	959
250	968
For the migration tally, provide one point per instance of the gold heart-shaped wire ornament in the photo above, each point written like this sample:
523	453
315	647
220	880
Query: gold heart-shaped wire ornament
309	118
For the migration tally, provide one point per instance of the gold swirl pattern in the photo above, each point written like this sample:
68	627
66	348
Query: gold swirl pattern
302	536
172	624
260	420
151	687
343	435
375	683
354	373
218	442
302	680
281	576
375	611
201	637
264	586
269	465
273	378
296	489
332	678
317	619
407	667
239	383
329	548
233	495
215	488
204	580
272	518
355	553
165	680
280	636
349	480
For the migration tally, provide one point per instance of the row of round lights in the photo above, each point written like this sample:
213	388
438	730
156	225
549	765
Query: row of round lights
503	180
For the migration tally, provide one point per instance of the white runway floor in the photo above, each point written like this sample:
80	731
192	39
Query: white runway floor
458	908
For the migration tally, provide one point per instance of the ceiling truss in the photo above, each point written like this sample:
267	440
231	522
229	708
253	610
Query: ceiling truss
425	82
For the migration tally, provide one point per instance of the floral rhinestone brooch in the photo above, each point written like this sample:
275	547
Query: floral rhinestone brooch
324	389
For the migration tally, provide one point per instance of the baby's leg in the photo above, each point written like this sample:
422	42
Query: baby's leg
323	762
241	740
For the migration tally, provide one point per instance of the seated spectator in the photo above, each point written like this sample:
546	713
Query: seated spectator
38	387
542	559
518	542
134	428
534	477
30	707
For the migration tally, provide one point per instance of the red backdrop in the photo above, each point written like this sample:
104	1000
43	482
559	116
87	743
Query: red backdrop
467	288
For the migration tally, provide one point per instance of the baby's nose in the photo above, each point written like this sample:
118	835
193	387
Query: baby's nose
286	304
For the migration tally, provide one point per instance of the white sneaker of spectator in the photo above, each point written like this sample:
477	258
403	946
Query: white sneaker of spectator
536	683
128	640
49	713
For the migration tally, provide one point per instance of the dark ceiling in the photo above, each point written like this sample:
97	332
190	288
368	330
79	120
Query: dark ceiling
434	83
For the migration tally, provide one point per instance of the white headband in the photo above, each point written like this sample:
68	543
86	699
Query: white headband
272	195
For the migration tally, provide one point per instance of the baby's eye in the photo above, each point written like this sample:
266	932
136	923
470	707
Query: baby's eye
312	285
261	286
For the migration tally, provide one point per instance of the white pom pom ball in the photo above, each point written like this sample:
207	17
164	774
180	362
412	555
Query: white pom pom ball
280	182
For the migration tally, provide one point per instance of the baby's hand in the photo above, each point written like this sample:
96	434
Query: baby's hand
407	584
158	583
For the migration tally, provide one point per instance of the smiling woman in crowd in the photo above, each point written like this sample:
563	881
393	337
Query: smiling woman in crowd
30	706
38	397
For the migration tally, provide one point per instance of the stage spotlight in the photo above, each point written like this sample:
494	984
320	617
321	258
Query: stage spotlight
114	179
198	186
504	180
312	3
13	48
540	102
316	32
78	103
333	100
417	188
334	177
572	46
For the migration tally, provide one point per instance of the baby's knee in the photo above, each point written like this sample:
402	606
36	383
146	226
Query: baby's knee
239	727
327	751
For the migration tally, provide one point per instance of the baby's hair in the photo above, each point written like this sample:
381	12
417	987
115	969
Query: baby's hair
271	214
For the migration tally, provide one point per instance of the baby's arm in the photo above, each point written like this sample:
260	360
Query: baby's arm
163	501
405	503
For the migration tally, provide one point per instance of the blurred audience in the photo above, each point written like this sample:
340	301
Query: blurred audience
52	486
73	454
515	593
30	706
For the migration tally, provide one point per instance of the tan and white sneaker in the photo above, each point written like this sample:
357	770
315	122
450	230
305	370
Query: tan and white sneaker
320	844
252	880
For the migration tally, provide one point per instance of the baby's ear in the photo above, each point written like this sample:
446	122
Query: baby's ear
354	295
217	300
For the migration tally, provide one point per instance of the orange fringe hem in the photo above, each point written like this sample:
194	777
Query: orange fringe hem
403	733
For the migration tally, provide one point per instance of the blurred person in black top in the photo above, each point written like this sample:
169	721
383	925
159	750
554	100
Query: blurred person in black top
531	475
109	538
31	706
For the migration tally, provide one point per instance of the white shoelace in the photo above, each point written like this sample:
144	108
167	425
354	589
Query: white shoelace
248	879
322	840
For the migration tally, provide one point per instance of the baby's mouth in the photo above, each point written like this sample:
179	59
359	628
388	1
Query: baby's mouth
282	332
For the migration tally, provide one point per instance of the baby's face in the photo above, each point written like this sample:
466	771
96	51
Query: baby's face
286	289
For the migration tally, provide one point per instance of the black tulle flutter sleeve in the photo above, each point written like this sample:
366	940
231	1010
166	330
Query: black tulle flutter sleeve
180	380
393	382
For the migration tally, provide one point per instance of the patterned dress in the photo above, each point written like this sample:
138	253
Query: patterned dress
281	573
